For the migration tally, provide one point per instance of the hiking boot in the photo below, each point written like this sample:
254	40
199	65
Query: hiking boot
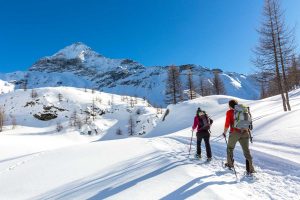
251	171
209	159
197	156
249	168
228	166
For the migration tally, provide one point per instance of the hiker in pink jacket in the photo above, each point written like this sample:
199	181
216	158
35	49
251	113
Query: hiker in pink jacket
202	123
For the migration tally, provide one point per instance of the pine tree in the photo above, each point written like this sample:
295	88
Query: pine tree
294	74
131	102
13	121
33	94
218	84
173	86
60	97
131	126
263	79
25	83
93	110
2	118
87	116
119	131
201	86
190	85
205	87
59	126
73	119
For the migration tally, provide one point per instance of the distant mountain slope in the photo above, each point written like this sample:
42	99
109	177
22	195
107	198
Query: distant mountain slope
6	87
42	112
78	65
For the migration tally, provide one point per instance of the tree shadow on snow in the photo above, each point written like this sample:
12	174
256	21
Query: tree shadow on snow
118	178
188	189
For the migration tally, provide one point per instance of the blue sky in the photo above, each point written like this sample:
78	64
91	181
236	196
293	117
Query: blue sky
212	33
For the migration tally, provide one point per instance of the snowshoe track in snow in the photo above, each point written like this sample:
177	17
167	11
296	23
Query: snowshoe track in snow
22	161
265	184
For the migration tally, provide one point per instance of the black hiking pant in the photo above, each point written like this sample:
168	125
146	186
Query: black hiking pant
204	135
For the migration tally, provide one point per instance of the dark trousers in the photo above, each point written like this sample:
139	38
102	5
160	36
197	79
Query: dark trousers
206	137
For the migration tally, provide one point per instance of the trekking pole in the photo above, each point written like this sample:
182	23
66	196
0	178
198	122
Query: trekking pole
217	138
231	160
191	142
251	138
250	127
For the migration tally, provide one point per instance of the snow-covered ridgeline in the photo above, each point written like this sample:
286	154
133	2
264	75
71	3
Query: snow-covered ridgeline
78	65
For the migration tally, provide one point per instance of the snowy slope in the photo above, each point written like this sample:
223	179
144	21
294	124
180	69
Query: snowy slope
111	111
78	65
6	87
157	166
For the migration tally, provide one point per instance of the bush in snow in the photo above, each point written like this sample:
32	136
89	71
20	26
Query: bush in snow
119	131
13	121
138	111
131	125
59	127
60	97
131	102
24	84
98	99
2	117
87	117
75	120
34	94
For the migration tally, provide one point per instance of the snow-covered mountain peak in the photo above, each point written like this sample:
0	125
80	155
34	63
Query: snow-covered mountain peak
77	65
76	50
76	57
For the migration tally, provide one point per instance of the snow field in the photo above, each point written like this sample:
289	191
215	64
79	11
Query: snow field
36	163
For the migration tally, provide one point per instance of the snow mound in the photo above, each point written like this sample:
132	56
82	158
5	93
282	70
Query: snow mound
6	87
42	110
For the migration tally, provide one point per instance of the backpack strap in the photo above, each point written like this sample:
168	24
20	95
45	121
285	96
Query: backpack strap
251	125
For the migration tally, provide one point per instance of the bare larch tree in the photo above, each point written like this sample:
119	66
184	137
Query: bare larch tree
173	86
218	84
267	55
191	85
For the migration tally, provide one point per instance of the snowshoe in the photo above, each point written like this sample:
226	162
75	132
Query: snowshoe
227	166
250	176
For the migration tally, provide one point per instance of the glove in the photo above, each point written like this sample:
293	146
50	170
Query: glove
224	134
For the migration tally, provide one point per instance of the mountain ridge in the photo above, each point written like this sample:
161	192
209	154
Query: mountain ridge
77	65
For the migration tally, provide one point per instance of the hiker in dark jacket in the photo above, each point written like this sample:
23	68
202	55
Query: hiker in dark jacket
202	123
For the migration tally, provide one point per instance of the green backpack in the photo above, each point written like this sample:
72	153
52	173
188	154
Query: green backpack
242	117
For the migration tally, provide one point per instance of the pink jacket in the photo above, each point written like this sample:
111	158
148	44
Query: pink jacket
196	123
